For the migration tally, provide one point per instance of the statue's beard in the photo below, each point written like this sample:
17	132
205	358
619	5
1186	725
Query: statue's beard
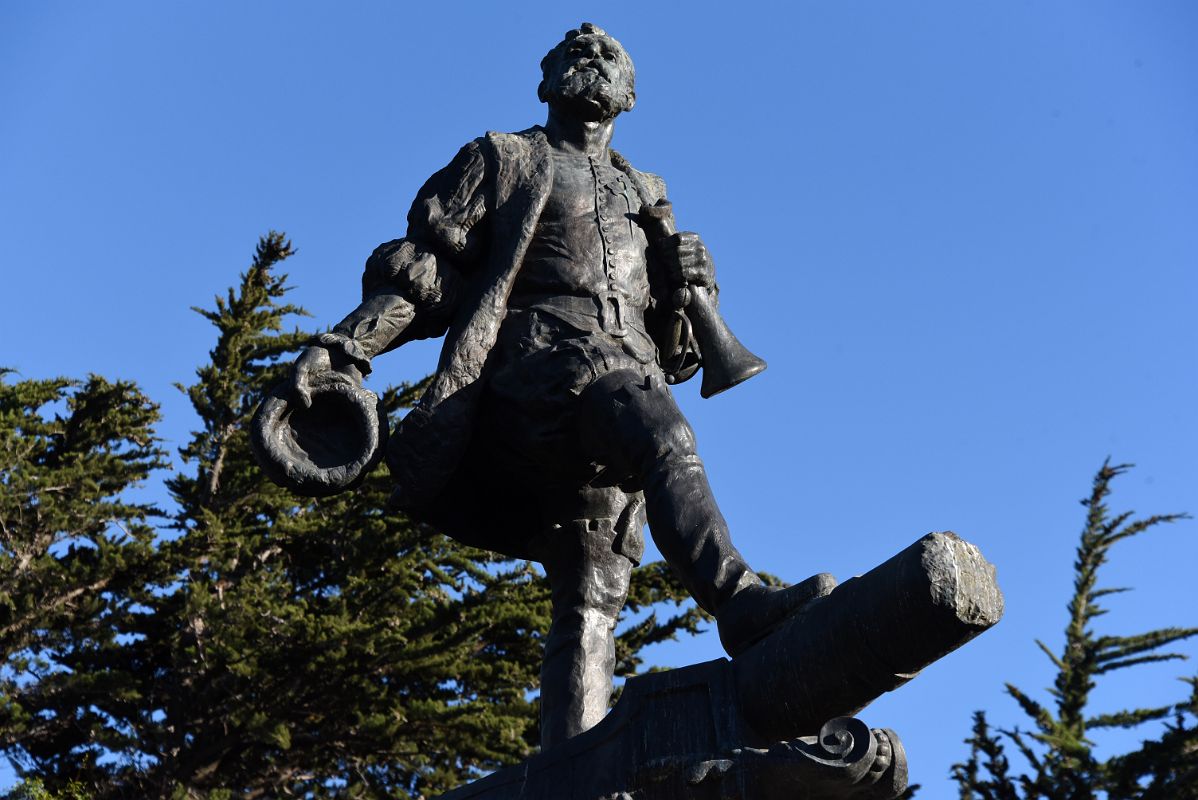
587	94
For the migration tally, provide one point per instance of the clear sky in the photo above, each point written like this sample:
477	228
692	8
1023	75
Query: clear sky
964	235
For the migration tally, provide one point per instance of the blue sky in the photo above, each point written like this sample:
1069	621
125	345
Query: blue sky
963	235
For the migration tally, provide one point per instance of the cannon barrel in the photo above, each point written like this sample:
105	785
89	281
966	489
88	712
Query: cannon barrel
765	725
872	634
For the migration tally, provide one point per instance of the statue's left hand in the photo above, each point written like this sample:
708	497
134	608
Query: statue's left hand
331	352
312	362
687	261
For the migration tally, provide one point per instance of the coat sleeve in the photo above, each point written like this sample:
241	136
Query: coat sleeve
447	238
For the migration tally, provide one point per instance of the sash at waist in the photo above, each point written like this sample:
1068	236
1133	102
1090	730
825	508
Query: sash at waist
608	314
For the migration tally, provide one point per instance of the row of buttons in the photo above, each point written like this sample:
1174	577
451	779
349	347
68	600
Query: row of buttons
611	317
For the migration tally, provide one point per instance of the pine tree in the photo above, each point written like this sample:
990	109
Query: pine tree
273	646
73	553
1059	752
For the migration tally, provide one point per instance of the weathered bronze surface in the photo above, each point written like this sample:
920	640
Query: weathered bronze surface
569	304
771	723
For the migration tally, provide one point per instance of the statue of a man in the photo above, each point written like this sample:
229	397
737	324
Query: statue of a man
548	431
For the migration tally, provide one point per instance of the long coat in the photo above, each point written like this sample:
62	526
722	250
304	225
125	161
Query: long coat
468	231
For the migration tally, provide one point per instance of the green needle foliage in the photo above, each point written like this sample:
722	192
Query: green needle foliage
1058	750
253	644
73	553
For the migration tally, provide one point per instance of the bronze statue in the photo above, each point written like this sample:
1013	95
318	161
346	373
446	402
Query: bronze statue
568	304
567	301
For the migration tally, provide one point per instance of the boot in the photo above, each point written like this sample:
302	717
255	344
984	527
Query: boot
589	581
757	610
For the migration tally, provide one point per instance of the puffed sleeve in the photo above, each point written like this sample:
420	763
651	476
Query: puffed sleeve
450	208
447	235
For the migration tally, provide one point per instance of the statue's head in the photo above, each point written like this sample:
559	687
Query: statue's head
589	75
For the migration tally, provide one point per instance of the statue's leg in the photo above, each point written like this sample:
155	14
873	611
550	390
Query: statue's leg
636	427
589	581
633	424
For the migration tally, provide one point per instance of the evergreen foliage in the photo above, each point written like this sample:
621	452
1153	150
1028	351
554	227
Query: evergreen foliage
73	554
253	644
1060	756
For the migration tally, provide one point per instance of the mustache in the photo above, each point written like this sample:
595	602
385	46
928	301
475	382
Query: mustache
599	68
589	90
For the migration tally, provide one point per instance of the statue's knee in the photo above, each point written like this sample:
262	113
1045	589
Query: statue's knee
656	425
635	420
677	440
587	574
608	571
610	591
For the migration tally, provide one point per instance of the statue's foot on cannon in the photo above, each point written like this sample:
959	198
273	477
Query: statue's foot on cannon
755	611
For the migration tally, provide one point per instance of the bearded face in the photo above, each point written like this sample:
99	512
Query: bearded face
589	76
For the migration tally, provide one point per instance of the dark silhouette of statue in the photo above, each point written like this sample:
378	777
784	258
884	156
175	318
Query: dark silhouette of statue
569	304
549	430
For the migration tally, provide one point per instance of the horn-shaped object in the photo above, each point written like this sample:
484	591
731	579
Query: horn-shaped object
726	362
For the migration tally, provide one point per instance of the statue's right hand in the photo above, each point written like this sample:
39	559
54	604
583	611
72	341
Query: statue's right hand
311	363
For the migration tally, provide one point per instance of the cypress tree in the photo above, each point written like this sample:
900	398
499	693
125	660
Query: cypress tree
270	645
74	553
1059	750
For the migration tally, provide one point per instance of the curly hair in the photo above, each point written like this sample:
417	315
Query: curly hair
585	29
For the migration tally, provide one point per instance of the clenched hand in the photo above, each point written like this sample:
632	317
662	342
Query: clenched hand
686	260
